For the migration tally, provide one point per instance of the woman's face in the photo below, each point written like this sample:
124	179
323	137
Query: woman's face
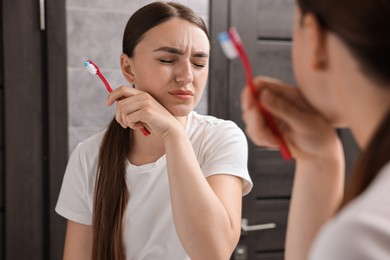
171	64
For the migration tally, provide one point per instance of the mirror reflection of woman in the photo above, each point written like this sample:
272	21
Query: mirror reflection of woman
341	58
175	194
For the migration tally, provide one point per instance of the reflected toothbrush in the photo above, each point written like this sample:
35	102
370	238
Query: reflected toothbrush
232	46
94	70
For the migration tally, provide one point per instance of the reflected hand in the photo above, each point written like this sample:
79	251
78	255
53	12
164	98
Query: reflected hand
306	131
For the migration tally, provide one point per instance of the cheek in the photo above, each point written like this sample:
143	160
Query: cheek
297	59
297	50
200	79
152	75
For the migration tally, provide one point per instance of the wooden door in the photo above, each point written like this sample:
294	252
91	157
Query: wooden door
33	126
265	27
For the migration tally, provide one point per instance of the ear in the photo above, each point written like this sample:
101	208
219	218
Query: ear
316	38
127	68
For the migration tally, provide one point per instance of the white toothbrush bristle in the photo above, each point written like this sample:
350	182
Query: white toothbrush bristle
227	46
90	67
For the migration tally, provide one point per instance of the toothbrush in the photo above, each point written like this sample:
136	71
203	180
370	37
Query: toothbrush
232	47
94	69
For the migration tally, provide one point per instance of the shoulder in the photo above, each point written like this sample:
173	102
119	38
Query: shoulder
91	145
86	153
362	236
362	229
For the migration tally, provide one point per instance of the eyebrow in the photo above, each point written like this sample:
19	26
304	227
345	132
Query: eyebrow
199	54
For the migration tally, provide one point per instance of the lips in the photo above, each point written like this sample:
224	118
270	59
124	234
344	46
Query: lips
182	92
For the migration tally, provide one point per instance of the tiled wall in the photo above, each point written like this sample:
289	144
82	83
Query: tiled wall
94	31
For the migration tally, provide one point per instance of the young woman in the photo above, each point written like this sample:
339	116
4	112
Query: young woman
175	194
341	58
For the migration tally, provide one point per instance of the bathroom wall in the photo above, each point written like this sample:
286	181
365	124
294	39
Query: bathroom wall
94	31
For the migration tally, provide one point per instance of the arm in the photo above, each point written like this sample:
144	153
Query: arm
72	204
78	241
319	176
316	195
206	212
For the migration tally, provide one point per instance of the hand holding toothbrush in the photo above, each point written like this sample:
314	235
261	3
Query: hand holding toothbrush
94	70
136	108
310	135
233	47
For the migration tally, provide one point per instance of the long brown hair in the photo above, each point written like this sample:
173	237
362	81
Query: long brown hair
363	26
111	193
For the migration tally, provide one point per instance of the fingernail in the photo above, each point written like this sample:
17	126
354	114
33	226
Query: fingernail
266	97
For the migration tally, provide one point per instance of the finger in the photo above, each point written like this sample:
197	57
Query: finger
134	120
283	109
141	102
247	99
277	87
118	118
257	130
124	108
120	93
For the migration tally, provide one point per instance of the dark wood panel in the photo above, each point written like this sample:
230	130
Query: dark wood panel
2	242
218	90
273	59
1	46
1	116
241	253
262	212
57	119
269	256
272	178
269	58
24	238
275	19
2	180
1	119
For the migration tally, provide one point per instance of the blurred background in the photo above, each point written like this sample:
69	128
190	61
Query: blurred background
49	103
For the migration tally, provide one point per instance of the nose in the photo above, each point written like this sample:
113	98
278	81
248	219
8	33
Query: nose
184	74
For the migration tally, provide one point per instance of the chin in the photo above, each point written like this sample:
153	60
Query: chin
180	111
337	122
341	125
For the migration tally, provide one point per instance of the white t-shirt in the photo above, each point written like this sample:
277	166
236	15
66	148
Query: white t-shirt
149	231
361	231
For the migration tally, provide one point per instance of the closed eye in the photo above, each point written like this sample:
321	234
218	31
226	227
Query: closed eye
199	65
166	61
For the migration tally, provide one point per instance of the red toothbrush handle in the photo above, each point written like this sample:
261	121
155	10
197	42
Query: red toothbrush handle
145	131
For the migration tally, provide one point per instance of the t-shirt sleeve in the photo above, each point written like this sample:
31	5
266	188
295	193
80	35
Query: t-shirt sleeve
226	152
359	237
73	199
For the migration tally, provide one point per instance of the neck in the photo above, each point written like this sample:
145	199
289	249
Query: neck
361	102
369	106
